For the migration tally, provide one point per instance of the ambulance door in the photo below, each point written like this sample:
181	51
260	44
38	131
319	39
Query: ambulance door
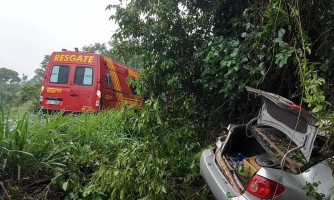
83	93
57	88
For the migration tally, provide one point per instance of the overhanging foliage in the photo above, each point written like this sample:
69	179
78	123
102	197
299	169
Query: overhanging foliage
202	53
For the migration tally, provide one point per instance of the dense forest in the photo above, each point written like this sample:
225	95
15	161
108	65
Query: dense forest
201	54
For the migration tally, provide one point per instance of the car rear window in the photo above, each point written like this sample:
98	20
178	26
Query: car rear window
83	76
59	74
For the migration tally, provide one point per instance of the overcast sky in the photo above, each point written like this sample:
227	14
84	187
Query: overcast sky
31	29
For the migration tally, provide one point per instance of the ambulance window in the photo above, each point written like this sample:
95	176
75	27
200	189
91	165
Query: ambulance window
83	76
133	89
108	79
59	74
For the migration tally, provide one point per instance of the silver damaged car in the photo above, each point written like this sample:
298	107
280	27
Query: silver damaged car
276	155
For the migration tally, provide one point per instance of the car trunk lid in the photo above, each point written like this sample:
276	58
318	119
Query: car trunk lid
282	114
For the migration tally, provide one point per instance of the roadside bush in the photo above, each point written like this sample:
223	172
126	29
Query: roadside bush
129	153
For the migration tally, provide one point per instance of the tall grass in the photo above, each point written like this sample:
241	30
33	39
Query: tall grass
129	153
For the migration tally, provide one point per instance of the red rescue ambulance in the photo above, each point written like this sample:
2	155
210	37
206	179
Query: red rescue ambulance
86	82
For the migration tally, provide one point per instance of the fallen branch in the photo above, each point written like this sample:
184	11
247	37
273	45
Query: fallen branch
235	176
47	192
225	169
39	182
5	191
290	162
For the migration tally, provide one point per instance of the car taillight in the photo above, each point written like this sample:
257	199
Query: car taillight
264	188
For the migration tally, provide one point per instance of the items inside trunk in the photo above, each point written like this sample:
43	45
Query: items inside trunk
243	155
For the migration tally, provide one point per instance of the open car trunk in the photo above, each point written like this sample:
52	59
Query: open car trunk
240	156
284	137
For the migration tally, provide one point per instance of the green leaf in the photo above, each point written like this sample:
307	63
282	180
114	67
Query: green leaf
122	195
65	186
332	197
163	189
248	25
260	56
317	109
281	32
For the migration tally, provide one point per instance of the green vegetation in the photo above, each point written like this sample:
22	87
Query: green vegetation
199	53
310	188
9	81
203	53
129	153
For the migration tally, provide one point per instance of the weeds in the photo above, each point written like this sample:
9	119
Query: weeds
130	153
